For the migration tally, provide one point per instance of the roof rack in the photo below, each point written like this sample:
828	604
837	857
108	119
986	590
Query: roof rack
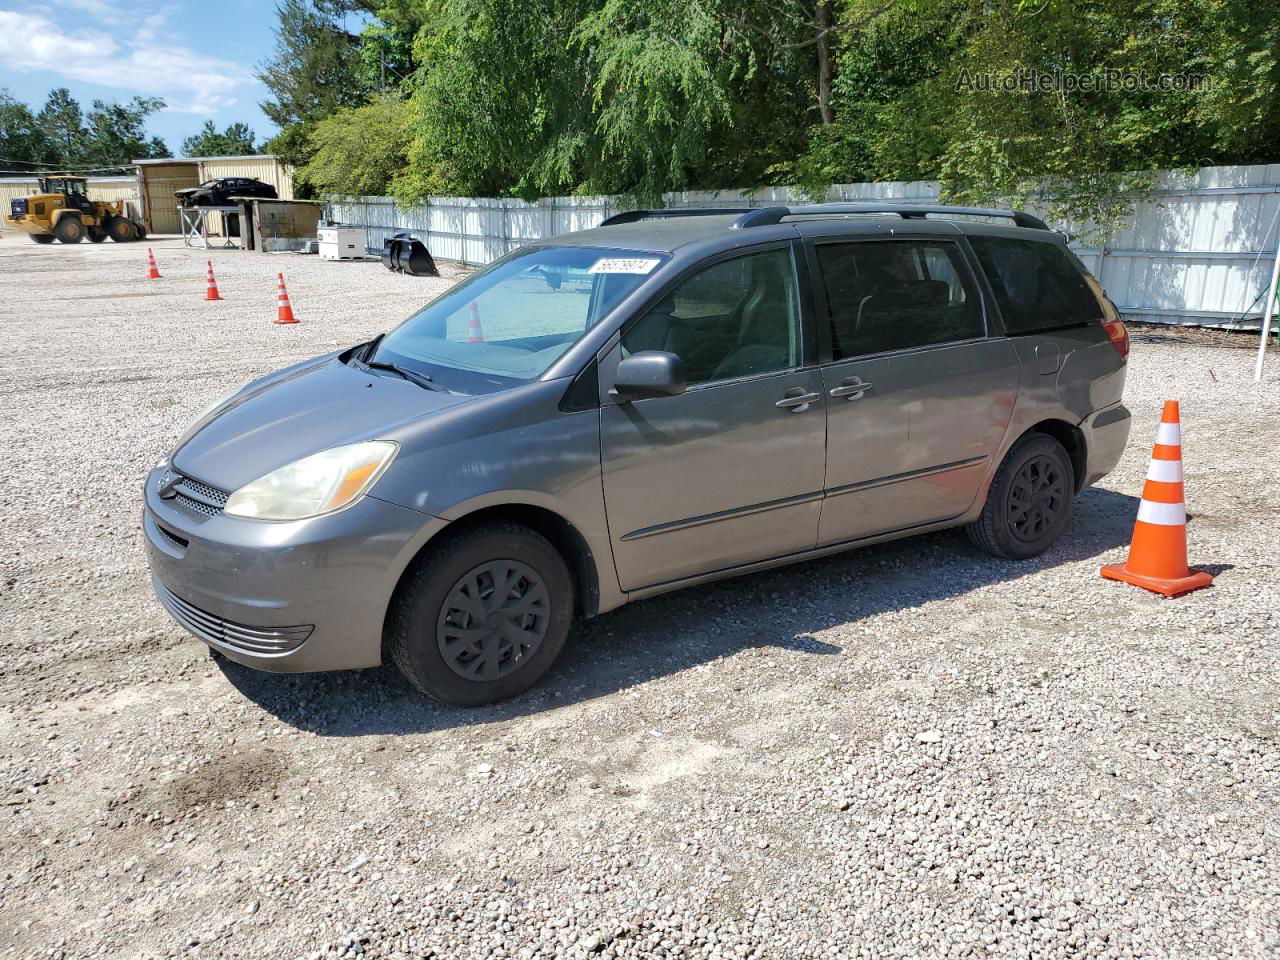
633	216
767	216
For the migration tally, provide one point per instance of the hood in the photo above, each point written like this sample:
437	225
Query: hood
300	413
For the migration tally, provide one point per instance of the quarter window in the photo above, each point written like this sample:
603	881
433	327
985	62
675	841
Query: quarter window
1036	285
887	295
737	318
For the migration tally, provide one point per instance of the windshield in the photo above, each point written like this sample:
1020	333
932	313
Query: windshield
513	319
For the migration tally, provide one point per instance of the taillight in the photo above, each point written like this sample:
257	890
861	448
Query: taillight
1119	336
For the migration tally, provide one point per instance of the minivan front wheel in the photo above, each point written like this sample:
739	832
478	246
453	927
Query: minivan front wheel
1030	500
482	615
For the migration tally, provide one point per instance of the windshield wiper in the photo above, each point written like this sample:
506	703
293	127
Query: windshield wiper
413	376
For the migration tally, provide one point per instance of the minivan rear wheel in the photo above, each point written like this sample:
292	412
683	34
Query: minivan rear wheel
1030	500
482	615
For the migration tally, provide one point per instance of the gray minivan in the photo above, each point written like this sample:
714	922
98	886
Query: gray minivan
672	397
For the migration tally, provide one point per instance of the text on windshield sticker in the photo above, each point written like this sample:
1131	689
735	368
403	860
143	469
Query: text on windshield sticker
640	265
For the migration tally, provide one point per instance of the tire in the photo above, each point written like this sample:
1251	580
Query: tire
43	237
1037	472
139	231
97	235
69	230
433	609
120	230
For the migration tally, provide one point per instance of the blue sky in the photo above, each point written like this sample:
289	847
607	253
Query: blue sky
200	57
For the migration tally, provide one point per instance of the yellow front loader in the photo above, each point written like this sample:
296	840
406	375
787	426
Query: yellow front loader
63	211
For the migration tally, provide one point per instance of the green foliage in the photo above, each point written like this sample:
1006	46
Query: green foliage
555	96
236	140
312	75
689	94
498	98
905	116
115	133
22	140
359	150
61	121
62	135
640	97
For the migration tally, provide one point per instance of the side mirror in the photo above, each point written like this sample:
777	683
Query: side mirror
649	373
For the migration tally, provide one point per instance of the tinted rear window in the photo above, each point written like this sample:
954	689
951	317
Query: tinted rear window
887	295
1036	284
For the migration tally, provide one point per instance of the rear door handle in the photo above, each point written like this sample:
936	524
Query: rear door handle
797	400
851	389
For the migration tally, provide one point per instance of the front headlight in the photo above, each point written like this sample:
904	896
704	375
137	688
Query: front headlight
321	483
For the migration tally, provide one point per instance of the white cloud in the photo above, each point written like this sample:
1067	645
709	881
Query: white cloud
102	9
134	63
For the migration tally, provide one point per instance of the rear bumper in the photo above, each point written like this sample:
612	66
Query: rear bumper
284	597
1105	434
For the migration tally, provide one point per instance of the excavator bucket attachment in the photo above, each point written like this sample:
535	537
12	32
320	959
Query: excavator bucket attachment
404	254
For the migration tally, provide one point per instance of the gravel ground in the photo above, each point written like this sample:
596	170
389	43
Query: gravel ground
909	751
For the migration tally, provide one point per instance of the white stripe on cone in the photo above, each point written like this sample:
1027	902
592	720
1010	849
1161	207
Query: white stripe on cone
1162	514
1165	471
1169	435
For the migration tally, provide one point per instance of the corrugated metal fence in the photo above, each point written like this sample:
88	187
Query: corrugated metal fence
1198	251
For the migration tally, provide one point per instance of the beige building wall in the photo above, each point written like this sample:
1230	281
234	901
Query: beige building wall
160	180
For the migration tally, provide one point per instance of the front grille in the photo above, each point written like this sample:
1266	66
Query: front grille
260	641
18	207
200	497
195	496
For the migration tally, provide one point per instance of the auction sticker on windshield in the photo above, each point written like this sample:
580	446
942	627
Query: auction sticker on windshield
639	265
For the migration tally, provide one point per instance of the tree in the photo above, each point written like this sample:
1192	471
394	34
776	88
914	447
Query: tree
639	97
499	101
110	135
911	101
23	143
235	140
116	132
555	96
312	75
61	122
689	96
359	151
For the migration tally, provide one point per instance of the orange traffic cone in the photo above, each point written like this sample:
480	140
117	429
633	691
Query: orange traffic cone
284	312
1158	553
475	333
211	291
153	272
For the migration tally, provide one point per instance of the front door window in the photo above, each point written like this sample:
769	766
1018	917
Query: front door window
738	318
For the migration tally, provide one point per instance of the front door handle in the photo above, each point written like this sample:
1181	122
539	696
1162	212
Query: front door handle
797	400
852	388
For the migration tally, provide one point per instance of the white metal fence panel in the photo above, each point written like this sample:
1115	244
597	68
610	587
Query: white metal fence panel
1199	250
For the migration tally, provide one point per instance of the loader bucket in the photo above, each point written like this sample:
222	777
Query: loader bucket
404	254
391	253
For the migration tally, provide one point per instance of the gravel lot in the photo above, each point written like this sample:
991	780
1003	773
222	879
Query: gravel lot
909	751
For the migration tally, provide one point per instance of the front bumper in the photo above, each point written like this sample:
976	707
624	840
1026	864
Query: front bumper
25	225
285	597
1105	434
